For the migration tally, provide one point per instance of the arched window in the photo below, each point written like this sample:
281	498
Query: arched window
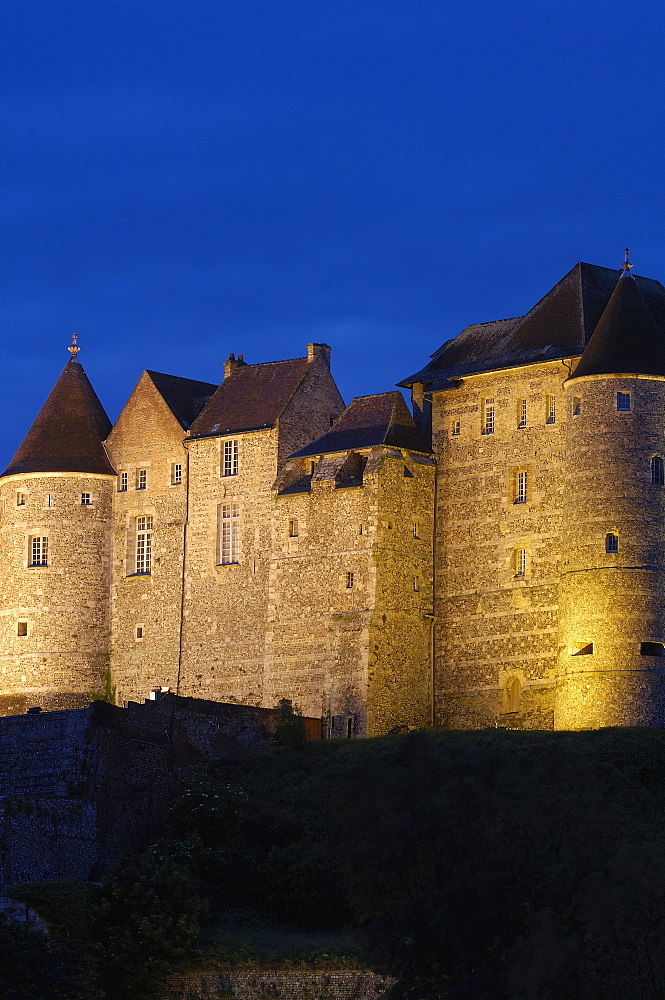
657	470
611	542
513	694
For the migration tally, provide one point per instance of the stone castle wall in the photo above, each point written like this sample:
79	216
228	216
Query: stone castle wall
54	618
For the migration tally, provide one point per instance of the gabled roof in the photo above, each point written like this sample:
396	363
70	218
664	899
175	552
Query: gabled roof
68	431
369	421
626	339
559	325
185	397
251	398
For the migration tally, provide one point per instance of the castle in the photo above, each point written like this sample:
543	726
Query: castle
496	558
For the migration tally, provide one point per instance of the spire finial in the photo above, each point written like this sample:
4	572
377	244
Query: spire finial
626	266
73	350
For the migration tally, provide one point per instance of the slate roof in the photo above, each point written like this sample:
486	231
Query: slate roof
369	421
559	325
185	397
251	398
68	432
626	339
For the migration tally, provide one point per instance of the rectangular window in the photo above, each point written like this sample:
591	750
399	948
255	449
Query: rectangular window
623	401
520	487
456	428
176	474
416	583
122	482
293	528
416	530
229	533
22	628
577	406
38	551
230	464
349	581
85	500
521	412
20	499
488	415
142	479
144	544
520	562
49	499
551	410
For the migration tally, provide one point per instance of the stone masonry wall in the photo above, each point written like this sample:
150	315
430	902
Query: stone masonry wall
494	626
146	608
276	984
54	618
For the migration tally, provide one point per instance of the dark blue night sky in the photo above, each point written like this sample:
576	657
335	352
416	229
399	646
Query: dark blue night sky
184	179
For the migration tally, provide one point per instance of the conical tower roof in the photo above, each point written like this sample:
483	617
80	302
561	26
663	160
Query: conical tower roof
626	340
68	431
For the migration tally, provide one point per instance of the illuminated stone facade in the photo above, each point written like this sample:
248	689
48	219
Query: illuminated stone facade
200	549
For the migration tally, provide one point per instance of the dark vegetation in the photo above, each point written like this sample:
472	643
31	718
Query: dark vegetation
492	865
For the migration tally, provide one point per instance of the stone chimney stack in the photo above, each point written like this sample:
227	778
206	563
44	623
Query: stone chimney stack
233	363
314	349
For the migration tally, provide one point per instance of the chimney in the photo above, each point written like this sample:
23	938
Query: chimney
233	363
314	349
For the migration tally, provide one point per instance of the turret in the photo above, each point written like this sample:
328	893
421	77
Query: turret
56	515
611	665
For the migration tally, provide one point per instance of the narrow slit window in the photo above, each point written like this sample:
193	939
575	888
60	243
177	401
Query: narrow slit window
657	470
349	581
144	545
293	528
229	533
230	463
49	499
521	412
577	406
416	530
488	415
520	486
22	628
611	542
139	631
520	562
623	402
551	410
349	728
416	583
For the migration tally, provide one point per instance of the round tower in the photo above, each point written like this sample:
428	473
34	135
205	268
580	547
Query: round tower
611	664
55	544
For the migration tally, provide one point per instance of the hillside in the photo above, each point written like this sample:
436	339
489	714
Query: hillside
487	864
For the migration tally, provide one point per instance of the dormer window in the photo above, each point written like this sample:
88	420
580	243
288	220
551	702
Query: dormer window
623	402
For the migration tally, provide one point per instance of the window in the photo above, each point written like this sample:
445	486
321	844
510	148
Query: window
85	500
416	583
657	470
521	412
142	479
176	474
230	465
520	486
623	402
22	628
49	499
361	529
20	499
349	728
488	415
513	695
122	482
293	528
611	542
349	581
520	562
652	649
38	551
144	544
229	533
139	631
416	530
456	428
551	410
577	406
